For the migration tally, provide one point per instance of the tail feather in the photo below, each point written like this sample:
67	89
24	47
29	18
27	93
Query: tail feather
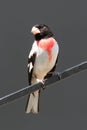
33	102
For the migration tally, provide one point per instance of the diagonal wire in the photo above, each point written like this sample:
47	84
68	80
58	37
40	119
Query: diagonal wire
55	78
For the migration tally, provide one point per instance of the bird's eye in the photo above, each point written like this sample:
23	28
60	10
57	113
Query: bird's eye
39	27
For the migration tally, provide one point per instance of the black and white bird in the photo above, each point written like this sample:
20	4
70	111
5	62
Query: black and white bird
42	61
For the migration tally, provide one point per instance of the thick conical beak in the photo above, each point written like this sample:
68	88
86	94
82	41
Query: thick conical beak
35	30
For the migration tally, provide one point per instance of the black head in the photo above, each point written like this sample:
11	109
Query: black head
41	31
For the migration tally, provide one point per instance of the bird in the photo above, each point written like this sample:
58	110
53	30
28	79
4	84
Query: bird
42	62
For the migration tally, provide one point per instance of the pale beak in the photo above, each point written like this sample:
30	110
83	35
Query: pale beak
35	30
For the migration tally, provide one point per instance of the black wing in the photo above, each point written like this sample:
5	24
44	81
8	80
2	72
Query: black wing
31	62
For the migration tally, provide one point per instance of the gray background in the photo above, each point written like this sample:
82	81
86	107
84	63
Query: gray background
64	105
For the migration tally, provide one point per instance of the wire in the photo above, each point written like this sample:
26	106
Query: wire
55	78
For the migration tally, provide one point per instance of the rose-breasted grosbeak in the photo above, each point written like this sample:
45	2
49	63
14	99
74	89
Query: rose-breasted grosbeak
41	62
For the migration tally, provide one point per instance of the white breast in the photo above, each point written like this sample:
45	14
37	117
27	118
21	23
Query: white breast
42	64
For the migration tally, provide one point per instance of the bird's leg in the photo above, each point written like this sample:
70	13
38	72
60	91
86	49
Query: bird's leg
41	81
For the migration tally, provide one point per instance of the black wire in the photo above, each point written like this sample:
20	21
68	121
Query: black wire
55	78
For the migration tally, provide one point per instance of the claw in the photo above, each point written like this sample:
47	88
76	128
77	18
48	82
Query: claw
41	81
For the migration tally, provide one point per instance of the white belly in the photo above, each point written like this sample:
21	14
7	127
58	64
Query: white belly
42	64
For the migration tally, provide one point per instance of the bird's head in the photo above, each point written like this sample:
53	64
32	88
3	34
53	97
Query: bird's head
41	31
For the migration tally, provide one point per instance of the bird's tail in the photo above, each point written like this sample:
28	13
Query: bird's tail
33	102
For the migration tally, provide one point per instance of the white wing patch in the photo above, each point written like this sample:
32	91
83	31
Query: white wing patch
33	50
30	66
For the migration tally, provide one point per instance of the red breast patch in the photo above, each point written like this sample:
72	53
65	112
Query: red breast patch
46	44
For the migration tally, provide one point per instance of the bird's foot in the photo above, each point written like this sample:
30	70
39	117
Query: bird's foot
41	81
